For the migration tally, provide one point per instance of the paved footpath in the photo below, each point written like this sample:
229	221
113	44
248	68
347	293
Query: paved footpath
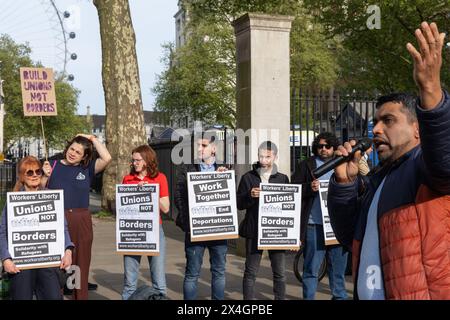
107	268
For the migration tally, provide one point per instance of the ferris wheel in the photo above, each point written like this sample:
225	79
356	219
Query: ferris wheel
40	24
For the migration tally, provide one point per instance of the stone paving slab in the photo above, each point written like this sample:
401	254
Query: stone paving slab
107	269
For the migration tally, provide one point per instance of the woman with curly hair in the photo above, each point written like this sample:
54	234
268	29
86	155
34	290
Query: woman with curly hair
144	170
74	175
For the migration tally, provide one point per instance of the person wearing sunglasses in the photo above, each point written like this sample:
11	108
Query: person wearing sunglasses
144	170
311	233
74	174
44	283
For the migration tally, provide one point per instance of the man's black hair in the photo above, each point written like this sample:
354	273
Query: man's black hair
208	135
268	145
329	137
408	102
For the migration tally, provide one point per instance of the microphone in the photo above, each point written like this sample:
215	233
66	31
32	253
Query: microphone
362	145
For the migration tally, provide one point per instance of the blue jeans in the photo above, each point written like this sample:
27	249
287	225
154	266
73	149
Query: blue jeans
157	269
314	254
194	259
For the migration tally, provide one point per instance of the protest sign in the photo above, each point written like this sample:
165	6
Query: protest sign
36	228
279	216
137	219
212	205
38	92
328	232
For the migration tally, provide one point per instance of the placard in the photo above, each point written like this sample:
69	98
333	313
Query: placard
328	232
212	205
36	228
137	219
38	92
279	216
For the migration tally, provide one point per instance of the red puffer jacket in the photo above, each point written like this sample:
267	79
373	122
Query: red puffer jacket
413	213
415	248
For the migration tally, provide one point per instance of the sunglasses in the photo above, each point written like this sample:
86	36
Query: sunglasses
328	146
30	173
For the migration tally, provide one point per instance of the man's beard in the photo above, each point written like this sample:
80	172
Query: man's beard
326	158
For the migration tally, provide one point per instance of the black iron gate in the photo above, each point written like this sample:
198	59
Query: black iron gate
7	180
347	115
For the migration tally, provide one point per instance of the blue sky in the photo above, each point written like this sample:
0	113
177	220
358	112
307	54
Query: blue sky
27	20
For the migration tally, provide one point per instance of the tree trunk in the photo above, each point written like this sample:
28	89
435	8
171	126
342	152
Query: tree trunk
124	115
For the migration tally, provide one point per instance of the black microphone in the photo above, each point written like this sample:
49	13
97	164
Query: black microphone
362	145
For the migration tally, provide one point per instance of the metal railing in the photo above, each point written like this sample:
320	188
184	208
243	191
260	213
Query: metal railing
347	115
7	179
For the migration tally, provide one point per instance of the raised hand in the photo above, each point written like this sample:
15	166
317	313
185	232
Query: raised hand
428	63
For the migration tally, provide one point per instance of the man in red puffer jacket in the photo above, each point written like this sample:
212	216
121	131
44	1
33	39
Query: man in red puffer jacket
397	220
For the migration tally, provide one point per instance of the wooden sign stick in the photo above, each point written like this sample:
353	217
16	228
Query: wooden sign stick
43	137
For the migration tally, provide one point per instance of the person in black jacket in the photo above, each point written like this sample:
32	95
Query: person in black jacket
311	227
248	199
194	251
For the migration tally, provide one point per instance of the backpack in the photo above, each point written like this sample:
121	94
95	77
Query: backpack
147	293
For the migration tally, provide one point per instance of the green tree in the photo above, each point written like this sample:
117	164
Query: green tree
199	79
200	83
376	58
57	128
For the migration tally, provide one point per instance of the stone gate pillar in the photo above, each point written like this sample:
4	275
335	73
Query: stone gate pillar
263	88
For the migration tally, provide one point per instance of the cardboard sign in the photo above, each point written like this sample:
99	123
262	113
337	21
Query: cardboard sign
38	92
137	219
212	205
327	229
36	228
279	216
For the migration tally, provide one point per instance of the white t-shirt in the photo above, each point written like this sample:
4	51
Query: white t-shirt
265	176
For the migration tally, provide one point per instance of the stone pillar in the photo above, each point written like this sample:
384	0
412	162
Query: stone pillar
263	88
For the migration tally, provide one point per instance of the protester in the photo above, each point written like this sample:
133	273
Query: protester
206	150
311	233
264	171
41	282
397	219
144	170
74	175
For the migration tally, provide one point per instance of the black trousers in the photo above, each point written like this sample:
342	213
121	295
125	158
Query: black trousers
252	262
44	283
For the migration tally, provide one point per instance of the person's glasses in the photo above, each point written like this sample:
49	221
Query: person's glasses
31	173
136	160
327	146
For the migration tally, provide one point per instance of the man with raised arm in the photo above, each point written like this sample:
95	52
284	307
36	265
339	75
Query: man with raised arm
397	220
